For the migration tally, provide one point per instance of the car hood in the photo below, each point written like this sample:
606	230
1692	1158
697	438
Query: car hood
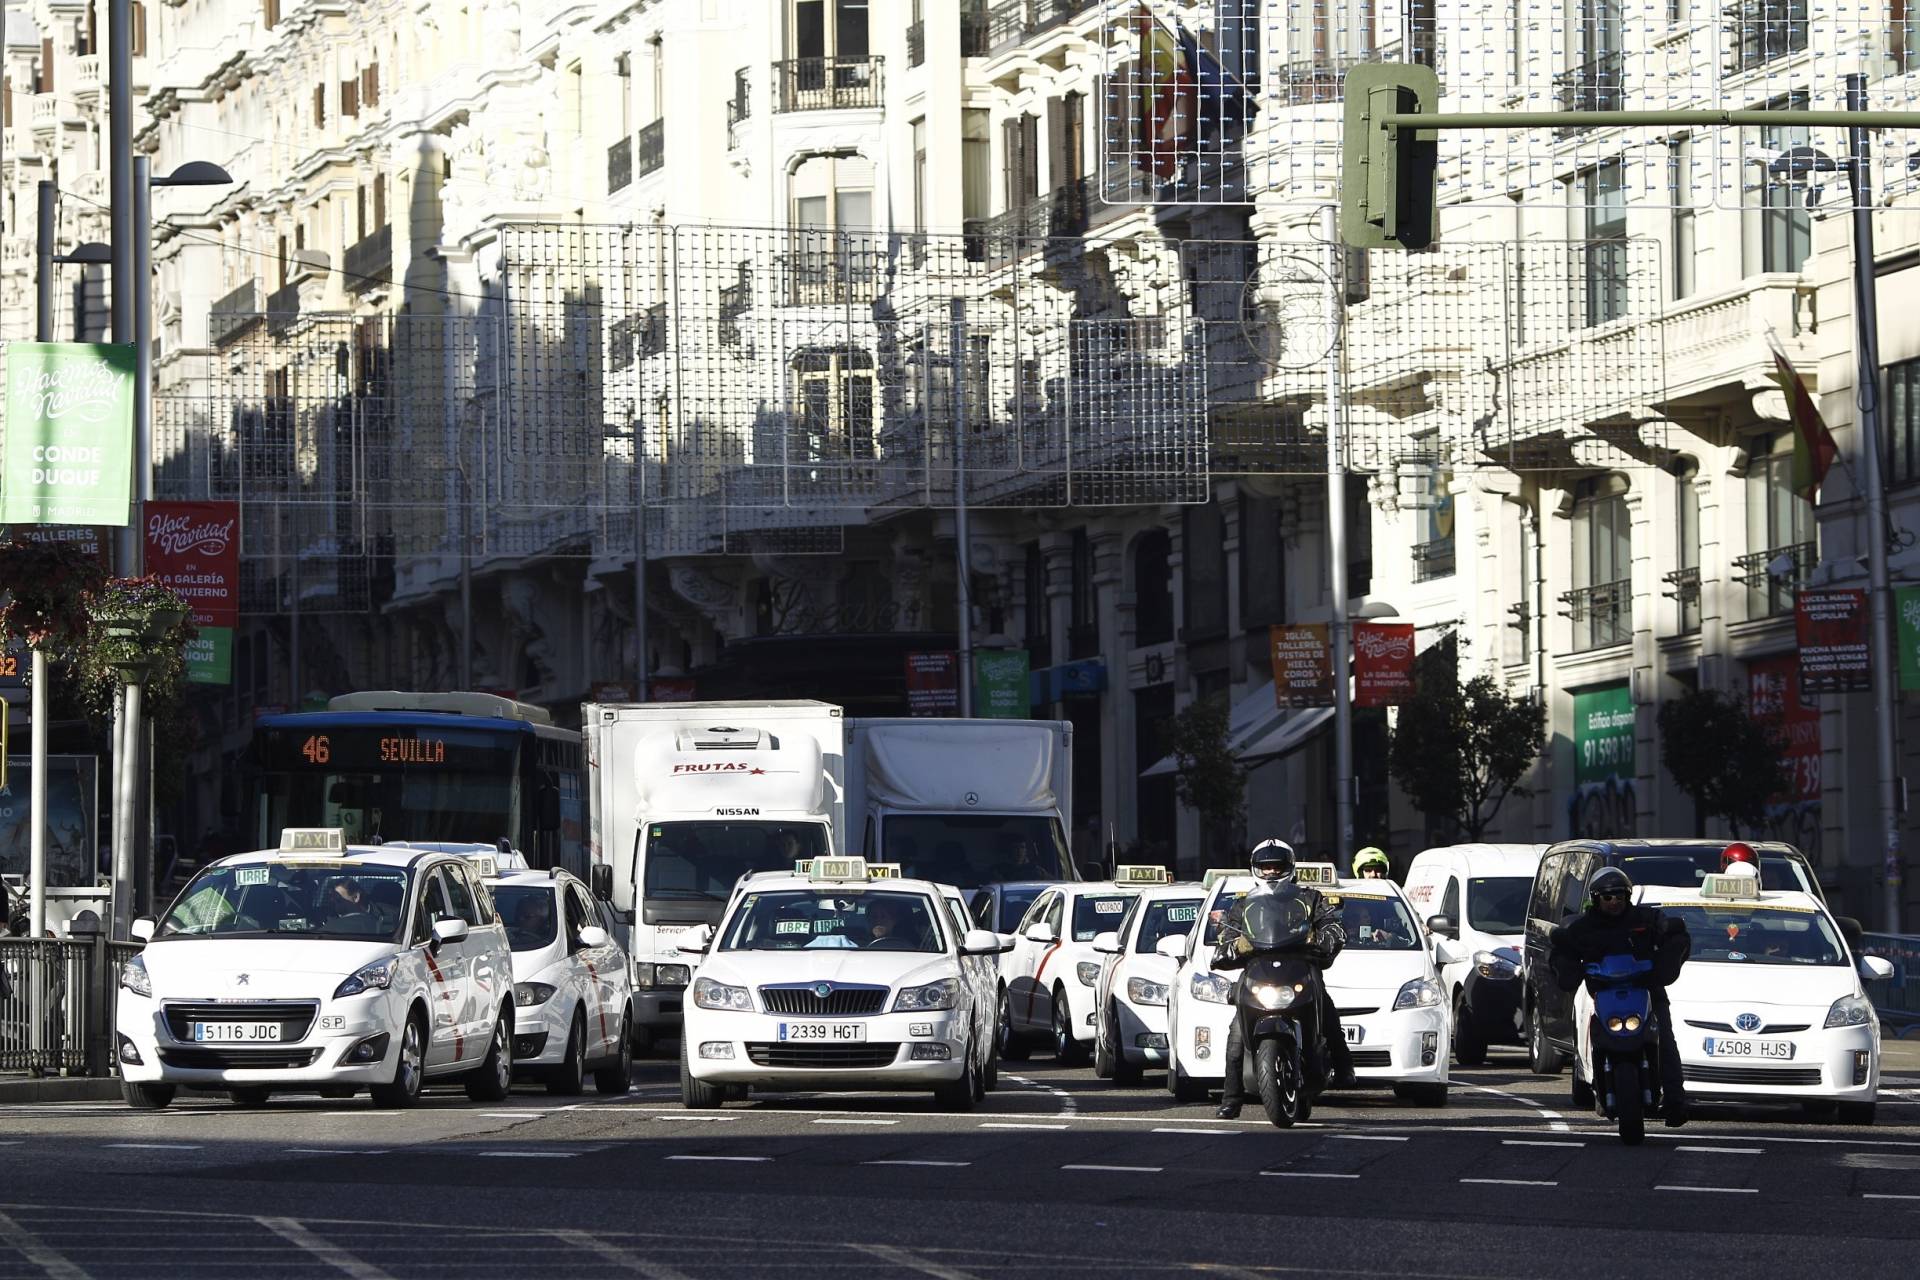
236	968
873	968
1374	972
1735	988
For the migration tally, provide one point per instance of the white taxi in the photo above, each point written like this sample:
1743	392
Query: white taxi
1049	976
1130	1015
1769	1007
572	988
1383	983
319	966
840	976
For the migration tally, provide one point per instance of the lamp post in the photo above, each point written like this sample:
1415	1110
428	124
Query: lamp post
137	641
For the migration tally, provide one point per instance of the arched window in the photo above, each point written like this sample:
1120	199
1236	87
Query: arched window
1602	598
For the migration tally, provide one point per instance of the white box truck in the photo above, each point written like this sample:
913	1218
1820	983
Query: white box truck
962	802
687	797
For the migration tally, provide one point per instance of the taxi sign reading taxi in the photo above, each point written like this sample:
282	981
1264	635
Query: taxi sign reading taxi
831	868
1141	875
1734	886
1315	873
883	871
313	840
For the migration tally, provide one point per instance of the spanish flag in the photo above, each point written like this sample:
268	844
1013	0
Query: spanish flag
1813	446
1164	121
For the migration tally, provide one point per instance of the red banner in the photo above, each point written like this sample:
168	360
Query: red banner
1831	626
670	689
1773	699
1382	663
194	547
933	684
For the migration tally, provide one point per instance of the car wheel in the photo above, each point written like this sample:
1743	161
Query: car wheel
1066	1050
1124	1072
957	1095
1542	1057
409	1068
617	1076
248	1095
1469	1046
146	1097
1102	1050
492	1081
697	1095
570	1077
1422	1095
1012	1047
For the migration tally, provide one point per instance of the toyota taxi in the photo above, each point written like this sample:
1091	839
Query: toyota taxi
572	989
320	966
1130	1006
1383	983
1050	974
1769	1007
838	976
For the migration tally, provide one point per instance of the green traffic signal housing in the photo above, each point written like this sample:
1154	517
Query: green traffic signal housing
1388	189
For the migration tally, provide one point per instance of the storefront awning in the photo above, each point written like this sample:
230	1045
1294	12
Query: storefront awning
1257	730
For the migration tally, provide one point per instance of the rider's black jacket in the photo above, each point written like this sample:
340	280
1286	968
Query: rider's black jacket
1643	932
1330	935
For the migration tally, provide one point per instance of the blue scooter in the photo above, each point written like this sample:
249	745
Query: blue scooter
1626	1044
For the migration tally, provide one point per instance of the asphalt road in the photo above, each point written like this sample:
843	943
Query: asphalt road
1059	1174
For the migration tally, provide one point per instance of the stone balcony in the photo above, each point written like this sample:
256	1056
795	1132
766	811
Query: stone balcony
89	76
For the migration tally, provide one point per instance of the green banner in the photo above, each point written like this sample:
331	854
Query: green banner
1000	687
69	434
1603	803
210	656
1906	612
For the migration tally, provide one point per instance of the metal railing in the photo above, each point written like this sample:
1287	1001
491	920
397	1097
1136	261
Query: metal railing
620	164
57	1003
916	43
650	149
1599	85
1774	576
827	268
976	31
1433	560
233	314
827	84
369	261
1017	20
1684	587
1602	615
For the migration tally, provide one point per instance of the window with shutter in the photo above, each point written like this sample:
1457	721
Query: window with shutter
137	29
349	98
370	84
319	104
46	66
270	13
379	201
6	101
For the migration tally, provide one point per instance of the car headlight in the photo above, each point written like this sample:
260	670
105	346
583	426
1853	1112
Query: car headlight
1146	991
1494	964
644	975
674	975
1211	987
134	977
1275	995
1088	972
1420	993
647	976
944	994
1850	1011
377	976
708	994
528	994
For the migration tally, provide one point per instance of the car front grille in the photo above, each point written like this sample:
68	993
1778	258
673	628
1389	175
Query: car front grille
294	1016
1372	1057
832	1057
198	1059
1779	1076
1358	1011
839	1002
1771	1029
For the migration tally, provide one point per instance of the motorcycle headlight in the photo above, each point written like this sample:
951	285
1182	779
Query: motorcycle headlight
134	977
377	976
528	994
1616	1024
1492	964
1211	987
1633	1022
1420	993
1144	991
1088	971
1272	995
1850	1011
708	994
944	994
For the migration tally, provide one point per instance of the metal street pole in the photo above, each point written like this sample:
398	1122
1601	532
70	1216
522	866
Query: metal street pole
641	640
1867	399
37	760
126	803
140	733
1337	542
122	214
962	533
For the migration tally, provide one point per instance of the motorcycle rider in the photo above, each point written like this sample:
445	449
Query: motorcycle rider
1371	863
1613	925
1272	864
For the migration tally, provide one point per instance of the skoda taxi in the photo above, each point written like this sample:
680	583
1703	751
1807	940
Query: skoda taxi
839	976
320	966
1050	974
1383	983
1130	1002
1769	1007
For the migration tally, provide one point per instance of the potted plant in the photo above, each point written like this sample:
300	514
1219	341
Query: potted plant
139	626
48	585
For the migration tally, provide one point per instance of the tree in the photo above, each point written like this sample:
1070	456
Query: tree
1208	778
1721	756
1460	750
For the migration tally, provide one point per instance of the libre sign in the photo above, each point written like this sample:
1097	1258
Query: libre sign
69	434
1831	627
1382	663
1302	665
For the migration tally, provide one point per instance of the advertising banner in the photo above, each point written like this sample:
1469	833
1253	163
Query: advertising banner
1906	615
194	547
1831	626
69	434
1000	686
1773	700
1604	763
933	684
210	656
72	801
670	689
1302	665
1382	663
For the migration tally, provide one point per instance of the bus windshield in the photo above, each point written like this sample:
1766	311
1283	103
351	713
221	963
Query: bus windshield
967	850
398	782
700	862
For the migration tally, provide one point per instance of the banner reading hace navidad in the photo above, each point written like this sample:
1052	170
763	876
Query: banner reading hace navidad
69	434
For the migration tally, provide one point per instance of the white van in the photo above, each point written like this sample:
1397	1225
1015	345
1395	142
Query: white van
1472	899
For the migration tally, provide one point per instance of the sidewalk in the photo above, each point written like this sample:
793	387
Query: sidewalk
1900	1057
18	1089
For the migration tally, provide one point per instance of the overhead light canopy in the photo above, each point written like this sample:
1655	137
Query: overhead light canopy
92	253
196	173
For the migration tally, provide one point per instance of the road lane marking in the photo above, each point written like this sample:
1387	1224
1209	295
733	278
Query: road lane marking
336	1151
728	1159
528	1155
323	1250
924	1164
1554	1120
152	1146
1508	1182
1009	1124
852	1120
1111	1168
1301	1173
1207	1132
1723	1191
695	1119
1725	1151
1886	1195
913	1262
1370	1137
1538	1142
29	1246
1068	1106
618	1257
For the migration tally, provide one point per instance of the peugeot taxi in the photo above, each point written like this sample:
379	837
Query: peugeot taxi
839	976
1769	1007
320	966
1050	974
1383	984
572	988
1130	1002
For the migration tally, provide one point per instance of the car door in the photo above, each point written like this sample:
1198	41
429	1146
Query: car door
446	981
1569	902
1023	962
591	966
1040	1010
485	987
977	972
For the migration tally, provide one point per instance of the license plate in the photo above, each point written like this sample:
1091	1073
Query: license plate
237	1032
1721	1047
831	1032
1354	1034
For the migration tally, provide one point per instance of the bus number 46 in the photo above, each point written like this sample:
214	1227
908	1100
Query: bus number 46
316	750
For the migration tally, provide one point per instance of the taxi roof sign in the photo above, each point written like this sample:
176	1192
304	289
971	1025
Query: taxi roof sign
1732	886
1316	873
1142	875
313	840
883	871
832	868
1216	874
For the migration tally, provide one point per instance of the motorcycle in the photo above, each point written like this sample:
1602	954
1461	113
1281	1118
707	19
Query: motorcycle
1277	1003
1625	1036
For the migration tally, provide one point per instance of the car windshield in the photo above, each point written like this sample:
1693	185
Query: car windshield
1498	904
967	850
1377	924
1014	901
1743	933
833	918
702	861
335	899
1165	917
1271	921
1097	913
1686	867
528	911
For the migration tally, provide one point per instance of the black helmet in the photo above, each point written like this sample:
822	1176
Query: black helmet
1271	853
1609	880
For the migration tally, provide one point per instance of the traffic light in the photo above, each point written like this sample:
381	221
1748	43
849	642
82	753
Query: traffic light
1388	191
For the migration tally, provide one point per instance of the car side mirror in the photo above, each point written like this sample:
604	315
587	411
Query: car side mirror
1107	944
695	942
1173	947
1446	953
593	936
600	880
1852	930
449	930
1875	968
1443	927
980	942
1042	932
1007	941
142	929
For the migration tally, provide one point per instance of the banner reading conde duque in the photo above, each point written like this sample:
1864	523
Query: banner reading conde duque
69	434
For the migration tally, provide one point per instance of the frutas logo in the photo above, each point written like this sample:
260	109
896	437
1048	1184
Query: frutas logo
718	766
